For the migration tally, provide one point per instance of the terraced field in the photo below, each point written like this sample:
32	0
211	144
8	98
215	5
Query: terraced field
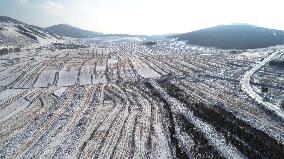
123	99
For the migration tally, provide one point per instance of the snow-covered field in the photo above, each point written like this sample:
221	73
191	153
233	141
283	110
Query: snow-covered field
87	74
45	78
67	78
9	93
13	109
119	98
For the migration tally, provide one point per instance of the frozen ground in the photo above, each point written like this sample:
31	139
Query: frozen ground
118	98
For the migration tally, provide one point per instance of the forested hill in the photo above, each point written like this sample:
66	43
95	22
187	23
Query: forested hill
234	37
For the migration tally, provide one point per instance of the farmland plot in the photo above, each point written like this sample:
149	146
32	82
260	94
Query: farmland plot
122	99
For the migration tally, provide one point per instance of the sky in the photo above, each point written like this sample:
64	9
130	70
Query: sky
147	17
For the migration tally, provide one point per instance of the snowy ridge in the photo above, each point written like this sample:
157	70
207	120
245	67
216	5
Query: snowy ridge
18	34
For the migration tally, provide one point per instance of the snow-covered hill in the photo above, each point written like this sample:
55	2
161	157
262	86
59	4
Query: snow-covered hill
14	33
236	36
71	31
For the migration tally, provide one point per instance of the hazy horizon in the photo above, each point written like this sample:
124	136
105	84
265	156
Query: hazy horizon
144	17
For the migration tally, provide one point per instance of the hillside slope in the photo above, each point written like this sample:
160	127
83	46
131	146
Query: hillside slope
71	31
18	34
234	37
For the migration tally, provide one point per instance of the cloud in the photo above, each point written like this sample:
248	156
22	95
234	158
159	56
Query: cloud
146	16
23	1
49	13
53	5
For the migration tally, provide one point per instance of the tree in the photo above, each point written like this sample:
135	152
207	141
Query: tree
282	104
264	89
17	49
4	51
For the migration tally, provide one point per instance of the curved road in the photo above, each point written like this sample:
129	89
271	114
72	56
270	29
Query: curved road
245	85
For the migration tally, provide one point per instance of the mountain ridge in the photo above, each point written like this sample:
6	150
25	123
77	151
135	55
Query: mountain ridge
71	31
234	36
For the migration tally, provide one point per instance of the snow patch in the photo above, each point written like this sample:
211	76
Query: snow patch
9	92
45	78
67	78
60	91
13	109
